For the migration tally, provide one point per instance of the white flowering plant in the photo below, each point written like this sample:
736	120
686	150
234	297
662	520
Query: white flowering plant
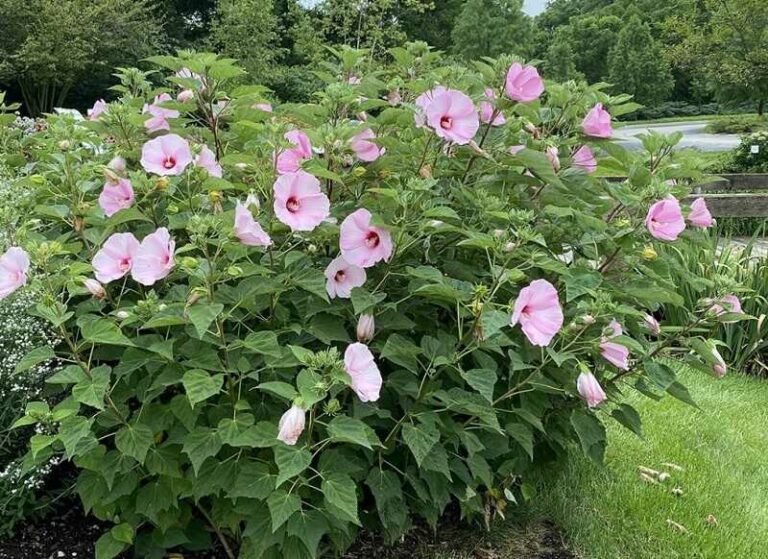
283	323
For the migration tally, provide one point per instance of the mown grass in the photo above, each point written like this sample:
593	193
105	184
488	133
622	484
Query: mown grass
694	118
722	513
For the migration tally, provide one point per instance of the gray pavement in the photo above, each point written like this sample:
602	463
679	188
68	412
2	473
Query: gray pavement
694	135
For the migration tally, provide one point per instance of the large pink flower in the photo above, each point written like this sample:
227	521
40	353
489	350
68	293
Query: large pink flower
665	219
207	160
166	155
299	202
423	101
700	216
727	304
156	108
116	257
590	389
364	148
363	244
538	311
116	196
523	83
597	123
291	425
453	116
14	266
487	109
154	258
362	369
583	158
248	230
289	160
156	124
98	109
612	351
342	277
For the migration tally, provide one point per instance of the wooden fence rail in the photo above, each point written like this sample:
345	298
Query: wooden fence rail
735	195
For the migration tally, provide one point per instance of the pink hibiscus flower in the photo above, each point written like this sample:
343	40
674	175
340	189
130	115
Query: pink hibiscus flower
166	155
14	267
700	216
487	108
289	160
116	257
665	219
523	83
342	277
154	258
116	196
590	389
362	369
597	123
207	160
453	116
248	230
538	311
363	244
299	202
364	148
583	158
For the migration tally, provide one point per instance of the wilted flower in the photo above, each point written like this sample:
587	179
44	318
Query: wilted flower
248	230
299	202
185	95
364	148
361	243
652	324
700	216
613	352
154	258
207	160
291	425
597	123
289	160
590	389
554	160
99	108
538	311
523	83
95	288
14	266
117	164
116	257
342	277
362	369
116	196
487	109
583	158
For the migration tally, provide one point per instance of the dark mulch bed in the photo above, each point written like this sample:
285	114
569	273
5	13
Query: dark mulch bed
68	534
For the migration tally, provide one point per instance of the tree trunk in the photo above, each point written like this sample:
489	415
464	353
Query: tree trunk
760	107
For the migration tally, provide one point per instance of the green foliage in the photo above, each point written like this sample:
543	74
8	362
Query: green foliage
752	154
736	124
172	394
491	28
636	65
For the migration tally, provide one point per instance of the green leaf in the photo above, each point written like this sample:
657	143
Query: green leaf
401	351
328	328
134	441
91	390
679	391
76	435
202	315
264	342
310	387
123	533
201	385
281	389
591	434
420	440
72	374
581	282
363	301
661	375
290	462
107	547
340	495
309	527
34	357
201	444
343	429
101	331
482	380
281	506
254	481
239	432
523	435
629	418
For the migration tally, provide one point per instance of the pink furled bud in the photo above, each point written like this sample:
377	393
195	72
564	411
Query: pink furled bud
117	164
652	324
552	155
597	123
95	288
719	368
590	389
727	304
700	216
366	327
291	425
523	83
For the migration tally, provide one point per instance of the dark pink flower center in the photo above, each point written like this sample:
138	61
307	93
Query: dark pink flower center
372	239
125	264
526	312
446	122
170	162
340	276
292	204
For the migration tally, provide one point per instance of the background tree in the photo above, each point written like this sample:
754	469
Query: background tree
53	45
560	62
491	28
637	66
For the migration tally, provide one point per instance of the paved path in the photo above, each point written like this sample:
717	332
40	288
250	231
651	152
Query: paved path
694	135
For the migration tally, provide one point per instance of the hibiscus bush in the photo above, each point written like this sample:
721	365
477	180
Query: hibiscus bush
283	324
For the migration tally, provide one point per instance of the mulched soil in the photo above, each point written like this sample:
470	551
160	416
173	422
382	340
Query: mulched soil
68	534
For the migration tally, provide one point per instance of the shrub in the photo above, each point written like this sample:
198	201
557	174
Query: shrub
498	290
737	124
752	154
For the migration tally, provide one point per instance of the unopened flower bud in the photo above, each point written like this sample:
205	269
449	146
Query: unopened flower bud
241	166
65	145
311	248
477	149
188	262
186	95
122	315
161	184
117	164
332	407
510	246
531	129
652	324
215	196
553	156
436	223
359	171
252	201
111	176
234	271
365	328
649	253
78	224
162	307
719	367
384	173
95	288
588	320
394	98
426	171
498	233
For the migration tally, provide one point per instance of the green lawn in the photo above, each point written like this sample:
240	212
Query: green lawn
694	118
611	513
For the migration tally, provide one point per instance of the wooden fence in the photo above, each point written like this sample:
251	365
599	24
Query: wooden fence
735	195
